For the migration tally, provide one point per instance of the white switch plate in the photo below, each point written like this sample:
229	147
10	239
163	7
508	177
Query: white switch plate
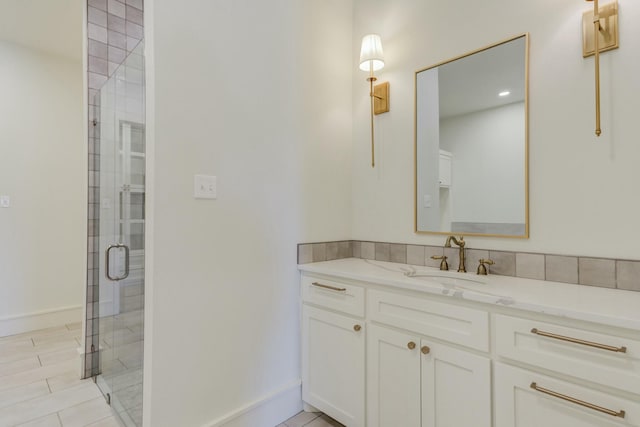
5	201
427	201
205	187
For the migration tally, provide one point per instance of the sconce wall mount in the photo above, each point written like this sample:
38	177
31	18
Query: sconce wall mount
599	34
608	35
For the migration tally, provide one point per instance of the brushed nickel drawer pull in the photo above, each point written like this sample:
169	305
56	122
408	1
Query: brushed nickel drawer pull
577	341
620	413
331	288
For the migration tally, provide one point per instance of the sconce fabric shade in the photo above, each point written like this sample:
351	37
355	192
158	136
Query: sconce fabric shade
371	56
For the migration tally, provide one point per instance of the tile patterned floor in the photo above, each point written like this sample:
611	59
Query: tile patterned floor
40	383
310	419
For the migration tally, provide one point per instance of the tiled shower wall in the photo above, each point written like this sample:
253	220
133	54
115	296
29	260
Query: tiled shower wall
115	27
601	272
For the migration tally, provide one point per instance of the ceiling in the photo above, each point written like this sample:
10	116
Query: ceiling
53	26
473	83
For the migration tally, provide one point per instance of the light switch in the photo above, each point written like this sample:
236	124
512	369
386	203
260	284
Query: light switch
205	187
427	201
5	201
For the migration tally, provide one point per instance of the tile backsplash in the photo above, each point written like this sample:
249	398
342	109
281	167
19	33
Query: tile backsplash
601	272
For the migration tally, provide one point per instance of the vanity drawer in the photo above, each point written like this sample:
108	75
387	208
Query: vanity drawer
534	400
581	353
335	295
448	322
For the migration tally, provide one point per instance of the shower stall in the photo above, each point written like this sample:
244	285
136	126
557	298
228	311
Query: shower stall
121	141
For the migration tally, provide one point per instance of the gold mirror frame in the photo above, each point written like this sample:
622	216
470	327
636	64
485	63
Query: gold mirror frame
526	142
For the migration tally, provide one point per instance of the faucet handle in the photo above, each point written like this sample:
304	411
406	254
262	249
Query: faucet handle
482	267
444	266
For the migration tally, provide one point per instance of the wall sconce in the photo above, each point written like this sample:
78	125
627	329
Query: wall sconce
372	59
599	34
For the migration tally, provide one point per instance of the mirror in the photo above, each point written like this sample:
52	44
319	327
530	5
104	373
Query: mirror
472	143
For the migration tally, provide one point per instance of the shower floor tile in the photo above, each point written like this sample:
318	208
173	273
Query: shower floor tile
40	384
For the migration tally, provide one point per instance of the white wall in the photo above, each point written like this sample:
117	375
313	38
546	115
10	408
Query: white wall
258	94
581	187
43	168
488	164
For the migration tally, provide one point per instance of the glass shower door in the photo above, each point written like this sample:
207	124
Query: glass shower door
121	238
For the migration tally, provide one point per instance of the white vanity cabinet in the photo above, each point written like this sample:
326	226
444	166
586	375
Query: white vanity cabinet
415	379
414	382
490	354
333	349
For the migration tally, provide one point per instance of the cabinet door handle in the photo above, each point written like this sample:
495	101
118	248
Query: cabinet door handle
425	350
411	345
357	328
578	341
331	288
620	413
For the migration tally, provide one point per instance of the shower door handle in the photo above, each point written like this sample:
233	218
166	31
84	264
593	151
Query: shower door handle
107	263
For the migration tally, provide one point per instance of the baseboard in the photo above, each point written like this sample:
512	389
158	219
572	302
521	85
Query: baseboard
40	320
268	411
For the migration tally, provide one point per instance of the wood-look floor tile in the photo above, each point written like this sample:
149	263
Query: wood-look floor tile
301	419
40	332
18	394
11	355
68	379
47	339
85	413
107	422
37	374
41	406
58	356
18	366
50	420
74	326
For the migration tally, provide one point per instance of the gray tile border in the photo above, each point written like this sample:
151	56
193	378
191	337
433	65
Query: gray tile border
505	263
628	275
383	252
560	268
345	249
597	272
530	266
601	272
319	252
398	253
332	251
415	254
368	250
305	254
357	249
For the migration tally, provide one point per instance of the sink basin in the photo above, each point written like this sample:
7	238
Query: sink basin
448	278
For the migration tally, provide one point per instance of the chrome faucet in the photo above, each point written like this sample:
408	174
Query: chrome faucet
460	243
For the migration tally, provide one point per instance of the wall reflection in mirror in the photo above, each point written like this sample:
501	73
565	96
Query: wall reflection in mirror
471	143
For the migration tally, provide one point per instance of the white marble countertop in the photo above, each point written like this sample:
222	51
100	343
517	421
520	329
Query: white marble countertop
601	305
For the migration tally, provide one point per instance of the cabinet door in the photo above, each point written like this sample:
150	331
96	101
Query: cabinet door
333	365
456	387
393	378
517	404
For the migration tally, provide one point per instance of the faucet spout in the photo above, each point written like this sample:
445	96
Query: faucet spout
461	244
